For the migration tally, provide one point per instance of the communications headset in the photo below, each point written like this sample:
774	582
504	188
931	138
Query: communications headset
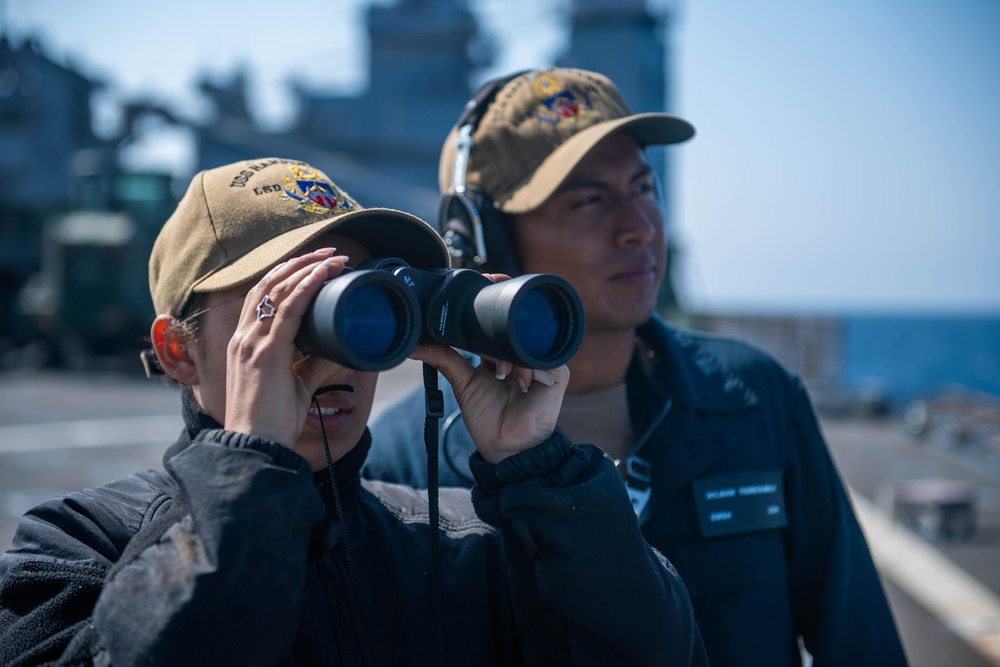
477	234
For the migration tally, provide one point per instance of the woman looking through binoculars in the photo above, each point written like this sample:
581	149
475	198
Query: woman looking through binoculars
259	544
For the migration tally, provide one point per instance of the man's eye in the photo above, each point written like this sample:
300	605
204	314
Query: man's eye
584	202
644	188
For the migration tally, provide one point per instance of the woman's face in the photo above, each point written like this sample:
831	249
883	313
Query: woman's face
342	414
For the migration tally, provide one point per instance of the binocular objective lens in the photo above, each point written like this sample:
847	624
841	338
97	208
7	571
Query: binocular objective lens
536	324
370	322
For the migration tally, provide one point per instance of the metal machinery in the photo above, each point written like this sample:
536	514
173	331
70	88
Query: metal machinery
90	296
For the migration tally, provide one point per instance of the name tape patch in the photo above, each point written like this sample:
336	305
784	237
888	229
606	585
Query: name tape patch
740	502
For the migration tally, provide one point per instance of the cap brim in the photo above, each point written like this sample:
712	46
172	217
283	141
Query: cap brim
398	234
650	129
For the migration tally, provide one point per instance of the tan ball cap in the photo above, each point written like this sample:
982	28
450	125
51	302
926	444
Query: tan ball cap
236	222
540	125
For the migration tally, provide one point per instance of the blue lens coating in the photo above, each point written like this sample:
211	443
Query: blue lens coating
535	324
369	322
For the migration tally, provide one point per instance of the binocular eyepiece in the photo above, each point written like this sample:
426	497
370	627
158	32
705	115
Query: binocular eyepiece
370	318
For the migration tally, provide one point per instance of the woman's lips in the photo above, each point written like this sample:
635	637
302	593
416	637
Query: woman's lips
331	415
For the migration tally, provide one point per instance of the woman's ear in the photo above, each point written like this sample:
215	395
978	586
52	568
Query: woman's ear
172	351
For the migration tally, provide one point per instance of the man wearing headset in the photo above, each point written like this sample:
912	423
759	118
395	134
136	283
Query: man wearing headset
719	447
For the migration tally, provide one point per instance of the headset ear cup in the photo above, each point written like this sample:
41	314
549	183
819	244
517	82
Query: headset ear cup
501	250
455	227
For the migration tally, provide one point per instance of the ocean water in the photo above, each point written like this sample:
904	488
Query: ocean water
906	356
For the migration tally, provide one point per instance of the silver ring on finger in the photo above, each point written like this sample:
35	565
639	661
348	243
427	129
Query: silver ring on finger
266	308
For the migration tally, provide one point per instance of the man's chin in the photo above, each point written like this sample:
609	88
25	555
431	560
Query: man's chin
621	319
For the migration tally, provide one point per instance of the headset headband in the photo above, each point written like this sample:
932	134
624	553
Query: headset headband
475	108
467	123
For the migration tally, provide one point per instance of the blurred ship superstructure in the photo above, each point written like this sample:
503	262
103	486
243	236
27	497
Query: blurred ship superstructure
69	207
45	119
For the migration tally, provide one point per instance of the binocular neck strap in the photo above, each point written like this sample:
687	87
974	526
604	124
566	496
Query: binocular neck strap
434	405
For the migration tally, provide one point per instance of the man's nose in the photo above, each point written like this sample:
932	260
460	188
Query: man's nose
636	224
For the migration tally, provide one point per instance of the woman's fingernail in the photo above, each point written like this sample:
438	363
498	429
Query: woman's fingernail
544	377
521	383
326	251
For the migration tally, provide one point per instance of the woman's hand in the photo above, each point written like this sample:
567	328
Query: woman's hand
269	382
506	409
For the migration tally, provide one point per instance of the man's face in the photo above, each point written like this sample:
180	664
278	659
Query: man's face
603	232
343	415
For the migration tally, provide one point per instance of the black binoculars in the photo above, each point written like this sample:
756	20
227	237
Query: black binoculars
370	318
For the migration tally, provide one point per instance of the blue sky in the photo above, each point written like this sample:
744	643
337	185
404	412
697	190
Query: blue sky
847	151
847	154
